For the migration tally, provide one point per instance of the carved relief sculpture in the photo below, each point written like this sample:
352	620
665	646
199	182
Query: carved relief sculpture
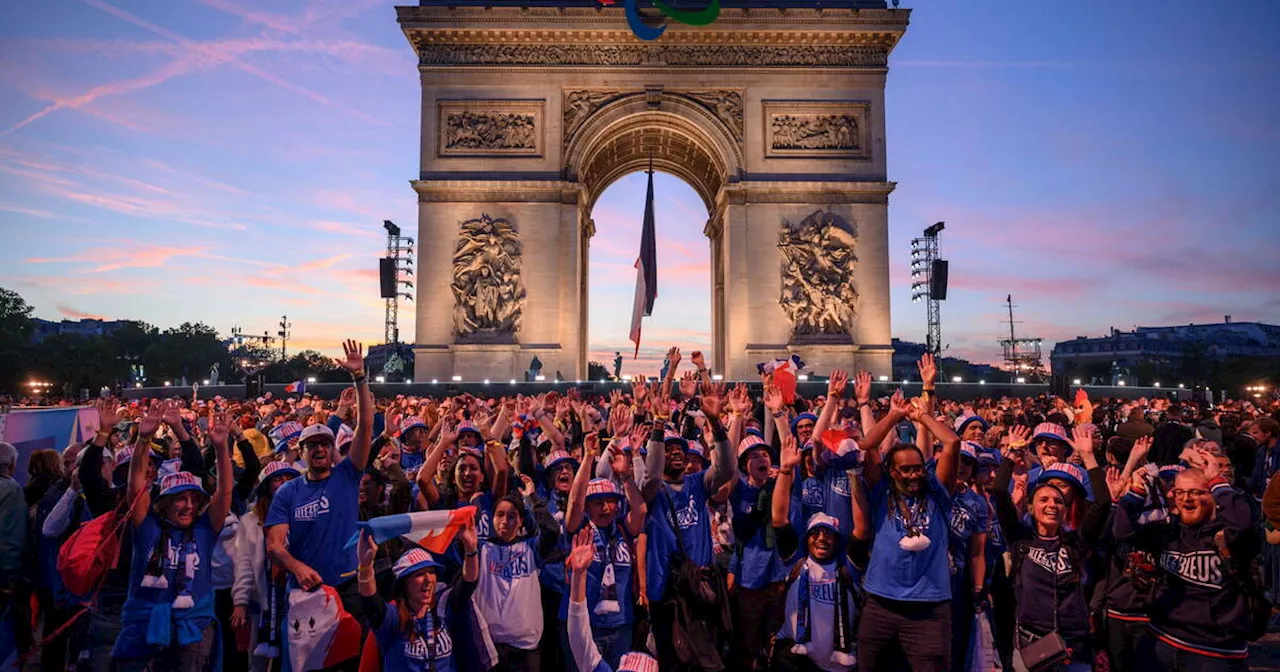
485	128
432	54
578	105
488	291
817	129
727	105
817	266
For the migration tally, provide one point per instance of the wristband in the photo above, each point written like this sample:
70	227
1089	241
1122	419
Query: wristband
359	379
779	414
472	554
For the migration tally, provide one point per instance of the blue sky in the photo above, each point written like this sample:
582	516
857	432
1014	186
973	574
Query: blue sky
1107	163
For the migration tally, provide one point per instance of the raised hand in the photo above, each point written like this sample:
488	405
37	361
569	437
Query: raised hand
584	551
469	537
219	428
862	387
836	385
591	445
688	384
740	400
713	400
639	391
527	487
615	399
1082	440
1141	447
108	414
172	413
1019	494
928	369
773	398
898	404
789	458
673	358
151	420
353	358
347	398
366	549
1019	436
1209	464
1116	483
698	360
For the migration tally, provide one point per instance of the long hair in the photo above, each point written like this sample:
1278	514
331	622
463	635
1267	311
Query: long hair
449	494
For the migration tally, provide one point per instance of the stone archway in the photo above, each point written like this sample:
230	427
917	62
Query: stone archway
774	116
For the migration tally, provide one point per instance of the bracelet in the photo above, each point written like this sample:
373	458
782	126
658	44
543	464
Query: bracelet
472	554
926	389
359	379
779	414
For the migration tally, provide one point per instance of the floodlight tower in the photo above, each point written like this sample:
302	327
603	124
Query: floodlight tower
929	282
392	272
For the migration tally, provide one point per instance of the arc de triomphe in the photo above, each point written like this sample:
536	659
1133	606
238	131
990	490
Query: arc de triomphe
773	114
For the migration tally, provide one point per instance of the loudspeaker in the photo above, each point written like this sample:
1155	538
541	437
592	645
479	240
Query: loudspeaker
938	280
387	277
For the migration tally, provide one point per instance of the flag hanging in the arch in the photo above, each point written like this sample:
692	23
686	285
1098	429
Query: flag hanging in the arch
646	268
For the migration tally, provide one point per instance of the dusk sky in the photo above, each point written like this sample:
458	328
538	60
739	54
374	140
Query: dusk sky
1108	163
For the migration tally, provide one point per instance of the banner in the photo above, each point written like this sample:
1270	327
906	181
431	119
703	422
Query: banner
32	429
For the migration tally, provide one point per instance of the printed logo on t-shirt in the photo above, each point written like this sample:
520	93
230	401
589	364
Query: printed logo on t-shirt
688	515
621	554
1059	563
1203	568
823	592
840	484
416	648
515	565
312	510
812	494
962	521
483	525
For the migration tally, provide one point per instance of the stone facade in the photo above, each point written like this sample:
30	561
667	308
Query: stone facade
772	116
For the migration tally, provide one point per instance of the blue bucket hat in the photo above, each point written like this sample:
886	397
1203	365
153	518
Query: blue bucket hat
414	560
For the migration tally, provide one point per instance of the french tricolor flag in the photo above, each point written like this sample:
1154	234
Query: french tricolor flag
784	373
297	386
646	268
432	530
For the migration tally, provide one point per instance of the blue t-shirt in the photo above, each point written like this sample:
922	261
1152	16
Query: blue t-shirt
611	542
196	542
759	565
322	517
969	516
897	574
830	491
411	654
691	516
411	460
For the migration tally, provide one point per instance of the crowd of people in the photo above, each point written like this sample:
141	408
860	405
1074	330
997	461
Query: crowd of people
682	525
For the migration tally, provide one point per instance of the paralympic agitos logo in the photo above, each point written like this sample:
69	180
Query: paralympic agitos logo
644	31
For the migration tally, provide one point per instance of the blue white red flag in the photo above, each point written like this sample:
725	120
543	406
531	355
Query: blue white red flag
784	373
297	386
432	530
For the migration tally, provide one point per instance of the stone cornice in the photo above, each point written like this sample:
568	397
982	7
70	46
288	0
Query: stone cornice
496	191
809	193
893	21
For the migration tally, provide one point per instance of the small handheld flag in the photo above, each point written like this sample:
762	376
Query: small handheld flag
784	373
297	386
432	530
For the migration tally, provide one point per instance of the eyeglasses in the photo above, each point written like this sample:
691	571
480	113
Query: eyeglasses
911	470
1179	493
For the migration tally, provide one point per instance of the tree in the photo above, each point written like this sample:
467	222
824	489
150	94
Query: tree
16	326
596	371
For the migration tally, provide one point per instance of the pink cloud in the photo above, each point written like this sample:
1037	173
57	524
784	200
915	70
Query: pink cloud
111	259
73	313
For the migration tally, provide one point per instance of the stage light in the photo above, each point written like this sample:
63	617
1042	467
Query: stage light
1120	383
1022	380
380	379
206	382
539	378
137	384
513	381
457	379
167	383
1156	384
434	381
1181	386
1076	381
884	379
486	381
982	382
802	377
717	377
957	379
311	379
